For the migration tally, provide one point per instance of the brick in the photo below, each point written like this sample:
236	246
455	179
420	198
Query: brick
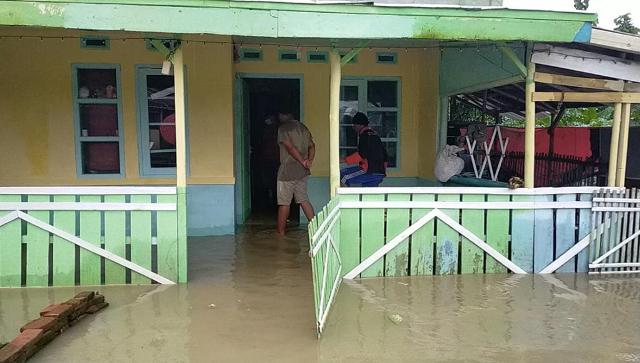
85	296
58	311
95	308
45	323
26	339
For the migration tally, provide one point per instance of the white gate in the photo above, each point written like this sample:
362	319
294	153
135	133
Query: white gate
615	237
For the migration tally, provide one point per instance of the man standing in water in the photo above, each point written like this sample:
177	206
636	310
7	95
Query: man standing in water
297	152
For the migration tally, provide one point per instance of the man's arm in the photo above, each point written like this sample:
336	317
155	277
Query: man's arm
293	151
311	153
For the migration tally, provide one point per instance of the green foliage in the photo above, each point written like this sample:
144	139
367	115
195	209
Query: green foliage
625	25
581	4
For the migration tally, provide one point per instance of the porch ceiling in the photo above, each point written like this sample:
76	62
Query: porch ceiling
282	20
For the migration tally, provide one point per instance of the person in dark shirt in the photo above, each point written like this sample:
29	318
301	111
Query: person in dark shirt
371	157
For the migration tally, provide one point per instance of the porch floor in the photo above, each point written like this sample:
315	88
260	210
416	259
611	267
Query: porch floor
263	311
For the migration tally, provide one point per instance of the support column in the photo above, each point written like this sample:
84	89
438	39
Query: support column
181	162
334	122
530	128
613	150
621	167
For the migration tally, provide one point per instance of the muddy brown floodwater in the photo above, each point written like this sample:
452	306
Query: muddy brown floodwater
250	299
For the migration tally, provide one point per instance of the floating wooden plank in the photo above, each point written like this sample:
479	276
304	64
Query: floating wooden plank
38	247
497	234
167	239
543	235
596	97
90	231
522	235
584	228
565	232
114	241
397	260
64	252
10	248
350	234
582	82
141	239
447	240
472	256
373	222
422	240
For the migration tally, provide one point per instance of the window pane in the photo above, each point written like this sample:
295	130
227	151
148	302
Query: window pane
100	158
348	136
349	93
161	121
392	151
163	159
97	83
382	94
385	123
98	120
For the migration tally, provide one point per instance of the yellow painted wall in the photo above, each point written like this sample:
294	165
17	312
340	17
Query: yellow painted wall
36	107
418	73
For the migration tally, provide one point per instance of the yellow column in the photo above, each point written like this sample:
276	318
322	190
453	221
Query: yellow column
621	172
530	128
181	163
334	122
613	150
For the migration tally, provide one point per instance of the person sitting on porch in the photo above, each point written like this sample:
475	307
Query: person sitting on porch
371	157
297	151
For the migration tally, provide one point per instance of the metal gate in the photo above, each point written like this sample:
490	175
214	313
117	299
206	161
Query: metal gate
615	237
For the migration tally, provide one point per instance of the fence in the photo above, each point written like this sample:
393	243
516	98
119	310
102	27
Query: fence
554	170
56	236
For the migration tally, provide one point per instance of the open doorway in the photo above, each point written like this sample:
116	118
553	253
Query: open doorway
261	99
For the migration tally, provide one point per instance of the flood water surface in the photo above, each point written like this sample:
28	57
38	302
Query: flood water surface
250	299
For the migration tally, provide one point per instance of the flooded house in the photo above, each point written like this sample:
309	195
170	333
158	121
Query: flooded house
132	129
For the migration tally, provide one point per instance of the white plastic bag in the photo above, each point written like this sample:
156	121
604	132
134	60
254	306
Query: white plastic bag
448	163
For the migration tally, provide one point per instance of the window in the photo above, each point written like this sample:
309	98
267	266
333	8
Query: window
157	123
379	99
289	55
317	57
98	120
250	54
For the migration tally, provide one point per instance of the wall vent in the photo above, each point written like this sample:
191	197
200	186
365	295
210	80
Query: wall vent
388	58
317	57
94	42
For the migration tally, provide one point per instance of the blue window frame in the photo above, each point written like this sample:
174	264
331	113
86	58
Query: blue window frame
156	122
379	99
97	109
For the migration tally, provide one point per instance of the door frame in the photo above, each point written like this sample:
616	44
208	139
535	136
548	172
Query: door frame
242	187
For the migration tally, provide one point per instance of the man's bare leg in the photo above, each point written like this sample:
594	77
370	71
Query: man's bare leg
283	214
307	208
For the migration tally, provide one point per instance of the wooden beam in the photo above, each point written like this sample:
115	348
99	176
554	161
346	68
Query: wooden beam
530	128
615	40
623	145
509	53
593	83
587	97
613	149
334	121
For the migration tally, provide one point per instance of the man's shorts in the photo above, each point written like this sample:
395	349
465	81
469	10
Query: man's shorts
289	189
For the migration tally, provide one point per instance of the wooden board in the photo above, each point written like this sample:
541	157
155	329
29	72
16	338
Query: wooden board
543	235
422	259
90	230
472	256
350	235
565	231
10	248
167	239
447	240
397	260
141	239
497	233
522	235
114	241
64	252
584	228
38	246
373	222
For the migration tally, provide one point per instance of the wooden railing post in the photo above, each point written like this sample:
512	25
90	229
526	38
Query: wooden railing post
613	150
181	162
530	129
621	167
334	121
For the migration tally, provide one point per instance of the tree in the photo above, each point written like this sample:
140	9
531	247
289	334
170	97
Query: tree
625	25
581	4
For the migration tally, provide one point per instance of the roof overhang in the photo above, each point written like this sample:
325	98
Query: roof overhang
276	20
